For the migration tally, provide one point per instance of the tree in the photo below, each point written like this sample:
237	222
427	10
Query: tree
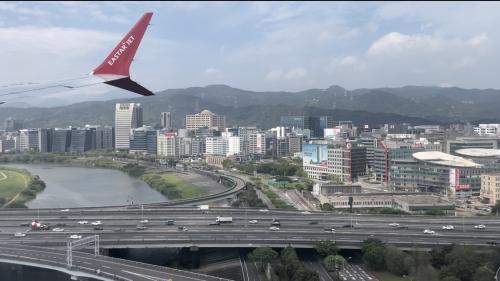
422	270
334	263
226	164
395	260
483	274
263	256
326	248
373	254
450	278
438	255
304	274
462	262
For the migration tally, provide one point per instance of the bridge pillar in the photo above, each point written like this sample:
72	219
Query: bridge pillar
104	252
195	256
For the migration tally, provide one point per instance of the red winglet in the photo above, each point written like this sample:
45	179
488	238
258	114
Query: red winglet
119	60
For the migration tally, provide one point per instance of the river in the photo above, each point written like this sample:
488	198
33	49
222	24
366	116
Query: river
69	187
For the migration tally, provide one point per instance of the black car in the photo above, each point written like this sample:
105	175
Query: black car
313	222
170	222
348	225
60	224
275	223
98	228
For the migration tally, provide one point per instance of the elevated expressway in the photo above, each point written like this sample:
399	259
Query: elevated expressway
297	228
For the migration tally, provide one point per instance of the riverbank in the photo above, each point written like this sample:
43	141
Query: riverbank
169	184
18	187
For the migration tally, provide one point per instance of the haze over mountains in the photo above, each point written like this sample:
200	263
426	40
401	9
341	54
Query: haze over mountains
413	104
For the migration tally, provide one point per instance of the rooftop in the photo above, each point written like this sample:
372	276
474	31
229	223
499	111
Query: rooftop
479	152
444	159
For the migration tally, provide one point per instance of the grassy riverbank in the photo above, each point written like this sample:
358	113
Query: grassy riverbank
167	183
18	187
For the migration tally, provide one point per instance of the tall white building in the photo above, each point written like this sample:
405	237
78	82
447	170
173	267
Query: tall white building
166	121
167	144
257	143
214	146
487	129
128	116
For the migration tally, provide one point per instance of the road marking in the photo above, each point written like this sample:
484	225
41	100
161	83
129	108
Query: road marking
147	276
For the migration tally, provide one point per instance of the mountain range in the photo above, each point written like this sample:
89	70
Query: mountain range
410	104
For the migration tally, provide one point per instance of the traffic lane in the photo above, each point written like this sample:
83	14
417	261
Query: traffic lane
122	268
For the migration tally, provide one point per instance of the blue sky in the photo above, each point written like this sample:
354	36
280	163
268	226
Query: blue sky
260	46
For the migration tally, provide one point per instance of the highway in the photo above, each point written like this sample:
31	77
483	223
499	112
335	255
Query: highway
100	267
297	228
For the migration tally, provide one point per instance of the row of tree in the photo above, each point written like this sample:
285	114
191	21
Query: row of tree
448	263
248	198
287	267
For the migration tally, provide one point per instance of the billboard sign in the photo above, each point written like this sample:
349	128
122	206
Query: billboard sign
315	154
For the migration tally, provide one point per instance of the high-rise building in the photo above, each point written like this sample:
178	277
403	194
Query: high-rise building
166	121
128	116
257	143
61	140
12	125
143	140
205	119
305	122
28	140
45	140
166	144
78	140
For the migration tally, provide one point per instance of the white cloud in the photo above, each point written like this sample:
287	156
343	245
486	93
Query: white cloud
15	8
275	74
295	73
99	15
212	71
478	40
292	74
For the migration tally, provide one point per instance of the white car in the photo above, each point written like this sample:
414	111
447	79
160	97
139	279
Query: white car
253	222
144	221
83	222
394	224
65	210
58	229
263	210
75	236
274	228
96	223
428	231
19	234
305	213
480	226
448	227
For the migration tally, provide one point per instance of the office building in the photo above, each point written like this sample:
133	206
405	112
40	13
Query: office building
12	125
490	187
28	140
166	144
205	119
166	121
128	116
61	140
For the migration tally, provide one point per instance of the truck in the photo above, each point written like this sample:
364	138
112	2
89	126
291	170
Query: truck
203	207
224	219
35	225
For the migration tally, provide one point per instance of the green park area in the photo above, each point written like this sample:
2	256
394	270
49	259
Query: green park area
171	185
18	187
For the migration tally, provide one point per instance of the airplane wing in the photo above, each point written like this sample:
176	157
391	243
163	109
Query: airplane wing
114	70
